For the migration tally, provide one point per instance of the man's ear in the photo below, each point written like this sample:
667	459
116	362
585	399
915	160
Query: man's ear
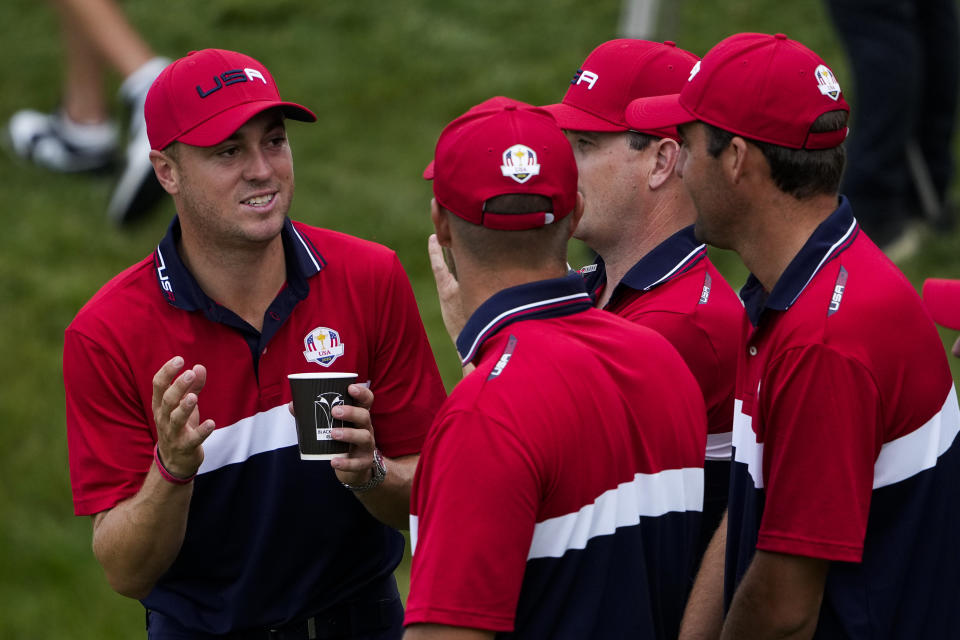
441	223
577	213
168	173
736	157
668	151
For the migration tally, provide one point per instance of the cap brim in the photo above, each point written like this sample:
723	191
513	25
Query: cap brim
428	172
221	126
576	119
942	298
657	112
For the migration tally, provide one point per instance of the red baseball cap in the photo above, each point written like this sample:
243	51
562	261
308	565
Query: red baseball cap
490	104
763	87
500	147
942	298
615	73
204	97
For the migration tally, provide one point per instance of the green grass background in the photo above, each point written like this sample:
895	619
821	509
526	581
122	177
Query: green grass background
384	77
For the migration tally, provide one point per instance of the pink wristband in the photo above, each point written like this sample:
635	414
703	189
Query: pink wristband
169	477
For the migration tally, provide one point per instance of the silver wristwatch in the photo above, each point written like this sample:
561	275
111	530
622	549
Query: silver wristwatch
378	473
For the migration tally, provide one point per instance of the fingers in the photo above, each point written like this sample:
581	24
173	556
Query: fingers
163	378
448	290
204	429
176	413
184	426
362	395
361	439
956	348
441	273
180	398
359	417
354	468
180	413
164	381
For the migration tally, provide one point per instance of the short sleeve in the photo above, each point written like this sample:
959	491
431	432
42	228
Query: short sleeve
110	440
474	510
405	380
821	439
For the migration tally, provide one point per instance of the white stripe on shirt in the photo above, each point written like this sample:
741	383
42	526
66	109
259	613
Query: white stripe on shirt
899	459
918	450
266	431
746	449
647	495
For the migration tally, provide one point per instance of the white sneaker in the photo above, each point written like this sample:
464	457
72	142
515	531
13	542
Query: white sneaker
138	190
52	141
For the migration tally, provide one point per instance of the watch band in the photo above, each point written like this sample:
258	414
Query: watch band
378	472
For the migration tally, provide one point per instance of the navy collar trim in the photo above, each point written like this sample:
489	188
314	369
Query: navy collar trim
543	299
181	289
308	256
829	240
669	259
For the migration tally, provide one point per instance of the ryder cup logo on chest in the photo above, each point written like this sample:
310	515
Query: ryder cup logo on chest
323	346
520	163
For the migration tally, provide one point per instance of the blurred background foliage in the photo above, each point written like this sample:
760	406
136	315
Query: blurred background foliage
384	78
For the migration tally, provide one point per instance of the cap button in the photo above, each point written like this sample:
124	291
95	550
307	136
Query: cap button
780	36
670	43
510	107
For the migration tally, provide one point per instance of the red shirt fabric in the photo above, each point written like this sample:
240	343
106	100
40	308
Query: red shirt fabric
559	491
248	533
845	439
676	291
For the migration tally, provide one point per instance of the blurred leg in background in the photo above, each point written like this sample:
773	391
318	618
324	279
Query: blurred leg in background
905	59
80	135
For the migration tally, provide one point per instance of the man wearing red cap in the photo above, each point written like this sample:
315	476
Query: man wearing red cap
638	218
559	491
182	447
842	519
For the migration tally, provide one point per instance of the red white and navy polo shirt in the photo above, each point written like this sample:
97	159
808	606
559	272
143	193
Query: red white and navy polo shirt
269	537
559	491
676	291
845	440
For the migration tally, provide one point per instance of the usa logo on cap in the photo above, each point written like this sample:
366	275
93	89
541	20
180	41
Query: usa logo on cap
520	163
323	346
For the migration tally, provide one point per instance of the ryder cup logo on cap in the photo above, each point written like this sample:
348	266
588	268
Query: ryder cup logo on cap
520	163
762	87
204	97
615	73
827	82
501	147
